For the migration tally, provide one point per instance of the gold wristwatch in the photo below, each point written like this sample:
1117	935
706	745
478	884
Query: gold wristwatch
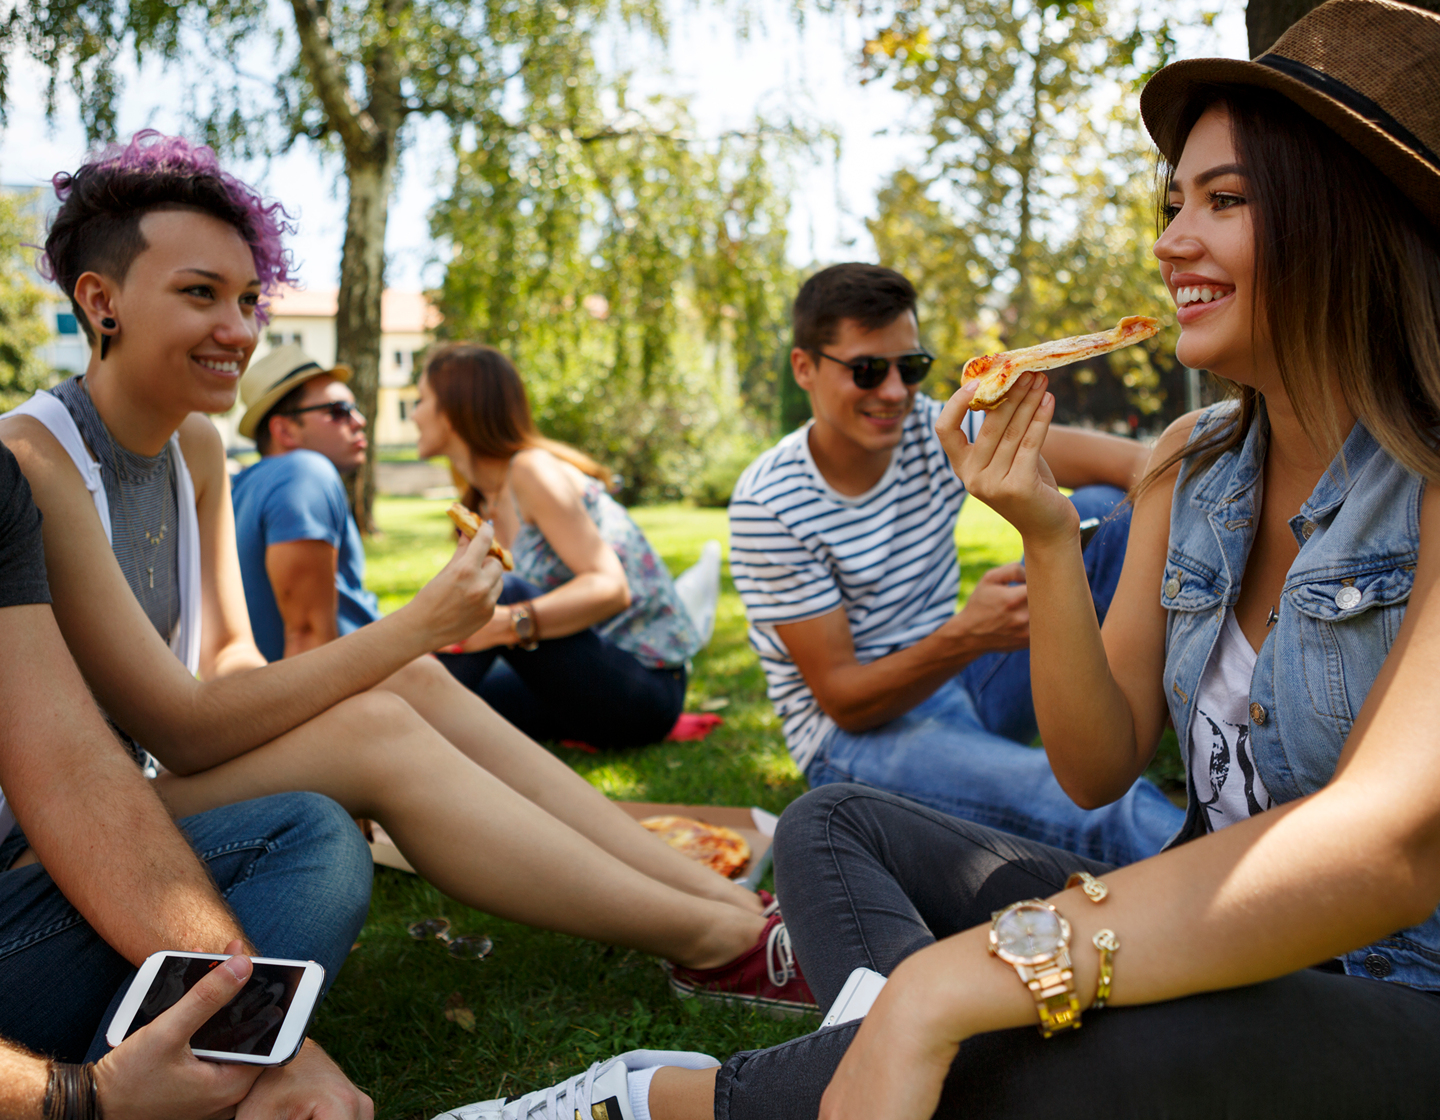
1034	939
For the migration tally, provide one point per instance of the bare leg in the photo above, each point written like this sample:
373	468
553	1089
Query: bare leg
533	772
682	1094
471	834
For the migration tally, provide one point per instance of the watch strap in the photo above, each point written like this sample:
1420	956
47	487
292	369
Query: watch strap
1052	984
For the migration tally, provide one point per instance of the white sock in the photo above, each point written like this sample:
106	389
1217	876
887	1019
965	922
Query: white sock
639	1084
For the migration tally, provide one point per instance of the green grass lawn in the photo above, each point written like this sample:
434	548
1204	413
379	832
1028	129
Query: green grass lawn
545	1005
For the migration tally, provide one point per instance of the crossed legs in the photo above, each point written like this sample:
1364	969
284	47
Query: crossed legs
537	775
482	842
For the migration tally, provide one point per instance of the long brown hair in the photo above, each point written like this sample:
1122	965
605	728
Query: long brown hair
481	394
1350	272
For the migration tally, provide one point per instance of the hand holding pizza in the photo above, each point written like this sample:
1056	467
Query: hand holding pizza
461	597
1004	467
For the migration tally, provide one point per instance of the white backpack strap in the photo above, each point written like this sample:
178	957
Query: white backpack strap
187	635
60	424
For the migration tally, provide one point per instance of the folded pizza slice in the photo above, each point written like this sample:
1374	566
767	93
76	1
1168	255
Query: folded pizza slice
468	523
997	372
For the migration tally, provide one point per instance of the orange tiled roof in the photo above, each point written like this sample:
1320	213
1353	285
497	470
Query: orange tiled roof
400	312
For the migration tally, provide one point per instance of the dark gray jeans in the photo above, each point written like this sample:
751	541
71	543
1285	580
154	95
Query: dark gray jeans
867	878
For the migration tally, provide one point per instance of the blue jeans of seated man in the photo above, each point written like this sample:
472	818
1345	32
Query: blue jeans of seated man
293	868
582	686
1000	682
961	751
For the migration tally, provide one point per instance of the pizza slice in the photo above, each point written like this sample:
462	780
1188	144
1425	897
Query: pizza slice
997	372
468	523
721	849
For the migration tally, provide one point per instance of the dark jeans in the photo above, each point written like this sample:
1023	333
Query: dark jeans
868	878
580	687
293	867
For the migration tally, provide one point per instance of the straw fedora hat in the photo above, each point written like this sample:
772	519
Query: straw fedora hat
273	376
1369	70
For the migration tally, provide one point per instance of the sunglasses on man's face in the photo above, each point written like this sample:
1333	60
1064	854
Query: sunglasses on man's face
338	411
870	370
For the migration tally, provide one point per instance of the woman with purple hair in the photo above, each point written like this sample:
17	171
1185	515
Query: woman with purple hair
167	260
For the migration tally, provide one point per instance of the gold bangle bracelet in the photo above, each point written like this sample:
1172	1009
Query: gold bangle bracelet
1108	944
1094	889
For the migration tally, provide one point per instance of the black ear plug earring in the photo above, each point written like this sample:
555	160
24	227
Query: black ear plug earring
108	324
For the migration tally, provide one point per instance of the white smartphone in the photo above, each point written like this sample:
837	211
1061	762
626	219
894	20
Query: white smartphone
263	1025
855	998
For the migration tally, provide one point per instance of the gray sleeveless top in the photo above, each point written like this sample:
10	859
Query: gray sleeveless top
144	512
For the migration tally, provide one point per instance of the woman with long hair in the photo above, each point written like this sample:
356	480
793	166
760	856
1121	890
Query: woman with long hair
1280	602
167	260
594	637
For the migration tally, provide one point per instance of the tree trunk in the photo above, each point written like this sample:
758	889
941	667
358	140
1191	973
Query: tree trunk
357	318
1266	20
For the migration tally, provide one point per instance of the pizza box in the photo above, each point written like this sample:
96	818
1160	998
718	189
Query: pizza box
756	825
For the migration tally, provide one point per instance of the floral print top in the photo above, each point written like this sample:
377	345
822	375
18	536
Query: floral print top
655	628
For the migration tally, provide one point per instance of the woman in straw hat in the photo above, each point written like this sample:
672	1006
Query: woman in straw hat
1280	603
166	259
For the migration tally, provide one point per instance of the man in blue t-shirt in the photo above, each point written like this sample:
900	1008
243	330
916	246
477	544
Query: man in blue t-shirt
300	552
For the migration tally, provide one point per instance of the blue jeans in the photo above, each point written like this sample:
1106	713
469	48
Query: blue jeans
582	686
961	751
293	868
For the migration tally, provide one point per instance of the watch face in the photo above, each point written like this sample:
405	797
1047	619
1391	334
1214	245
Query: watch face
1028	933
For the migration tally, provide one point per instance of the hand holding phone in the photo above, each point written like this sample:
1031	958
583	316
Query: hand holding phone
154	1074
263	1025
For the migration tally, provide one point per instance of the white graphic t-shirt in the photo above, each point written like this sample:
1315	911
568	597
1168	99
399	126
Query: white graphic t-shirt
1222	768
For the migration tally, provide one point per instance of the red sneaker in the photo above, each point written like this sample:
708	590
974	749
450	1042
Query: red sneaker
766	977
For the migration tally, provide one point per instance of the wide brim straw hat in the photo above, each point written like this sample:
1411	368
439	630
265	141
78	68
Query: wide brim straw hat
1369	70
273	376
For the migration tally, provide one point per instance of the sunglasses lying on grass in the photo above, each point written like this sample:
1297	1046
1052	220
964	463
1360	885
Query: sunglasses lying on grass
471	947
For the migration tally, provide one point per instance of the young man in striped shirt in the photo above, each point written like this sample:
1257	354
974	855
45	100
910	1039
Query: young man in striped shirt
842	547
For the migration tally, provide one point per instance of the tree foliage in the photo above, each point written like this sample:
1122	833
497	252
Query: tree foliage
636	274
22	302
347	75
1031	216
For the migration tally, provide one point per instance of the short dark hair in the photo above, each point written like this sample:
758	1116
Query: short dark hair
97	228
871	295
290	400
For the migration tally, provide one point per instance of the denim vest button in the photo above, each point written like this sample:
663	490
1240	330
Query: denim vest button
1377	966
1307	530
1172	587
1257	713
1347	597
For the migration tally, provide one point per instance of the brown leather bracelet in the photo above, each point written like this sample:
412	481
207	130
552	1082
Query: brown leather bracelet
71	1092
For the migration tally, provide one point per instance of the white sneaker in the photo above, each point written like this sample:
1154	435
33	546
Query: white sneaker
600	1093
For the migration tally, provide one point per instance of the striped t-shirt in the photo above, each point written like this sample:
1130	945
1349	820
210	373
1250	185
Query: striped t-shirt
799	549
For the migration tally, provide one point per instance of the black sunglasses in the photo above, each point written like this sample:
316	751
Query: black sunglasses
338	410
870	370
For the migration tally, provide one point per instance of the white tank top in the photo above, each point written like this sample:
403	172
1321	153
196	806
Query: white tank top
186	644
1221	763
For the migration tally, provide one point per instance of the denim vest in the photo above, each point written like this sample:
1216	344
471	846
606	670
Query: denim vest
1339	613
